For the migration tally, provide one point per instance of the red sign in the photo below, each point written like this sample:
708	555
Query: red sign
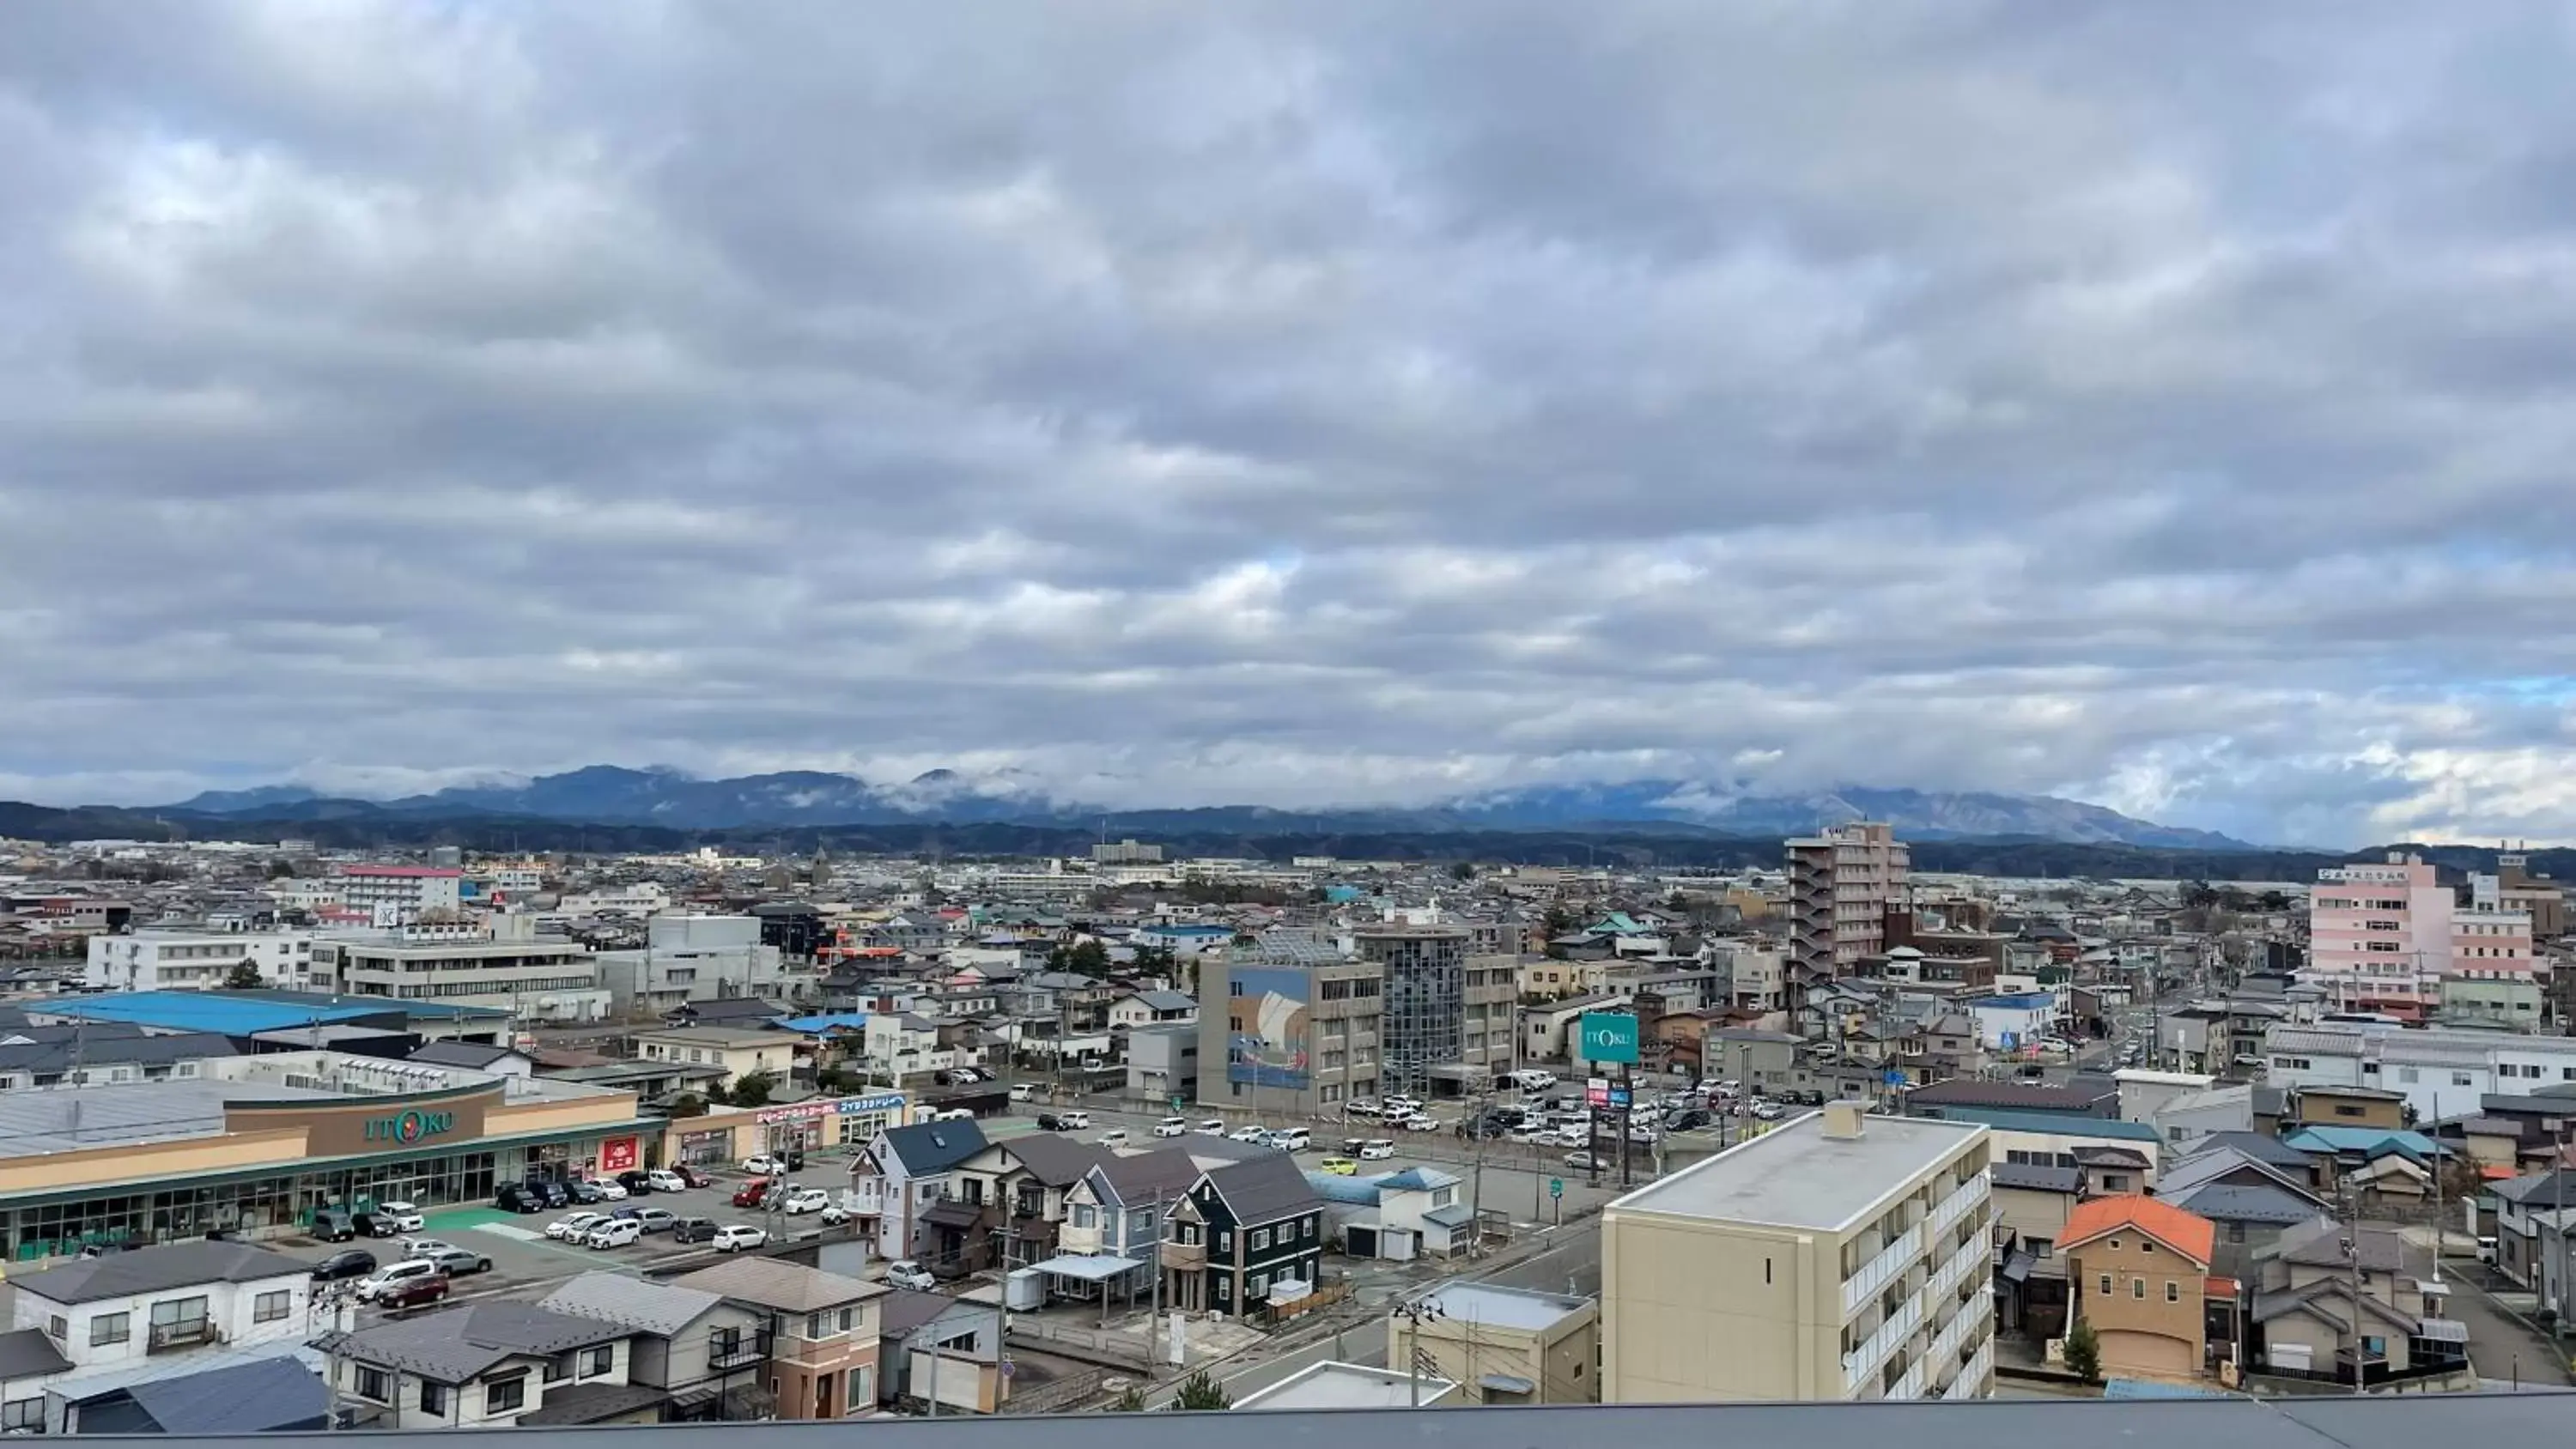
617	1154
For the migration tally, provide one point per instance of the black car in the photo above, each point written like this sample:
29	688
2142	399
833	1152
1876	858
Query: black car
635	1183
1046	1123
555	1193
693	1230
334	1225
585	1192
346	1263
515	1198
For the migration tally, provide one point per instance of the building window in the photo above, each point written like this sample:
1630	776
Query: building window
58	1326
818	1325
596	1361
375	1383
433	1398
2173	1291
270	1307
2115	1242
2106	1285
26	1415
2146	1247
558	1368
2138	1288
502	1396
1225	1240
107	1328
1260	1239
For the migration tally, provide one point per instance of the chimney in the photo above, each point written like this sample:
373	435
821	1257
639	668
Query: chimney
1843	1121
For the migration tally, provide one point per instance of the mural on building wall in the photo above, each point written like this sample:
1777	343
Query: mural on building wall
1265	1044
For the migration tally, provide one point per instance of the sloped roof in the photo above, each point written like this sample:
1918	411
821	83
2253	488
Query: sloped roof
261	1396
455	1344
1053	1160
2177	1228
776	1283
2252	1144
2035	1177
27	1352
1265	1188
659	1308
928	1147
159	1269
2228	1202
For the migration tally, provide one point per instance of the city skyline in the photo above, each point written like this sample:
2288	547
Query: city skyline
1297	405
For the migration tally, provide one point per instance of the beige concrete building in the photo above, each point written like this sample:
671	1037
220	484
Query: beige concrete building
1504	1345
741	1052
1289	1025
1841	1256
1840	886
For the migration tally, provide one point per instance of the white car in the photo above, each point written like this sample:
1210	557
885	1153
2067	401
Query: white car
1289	1139
761	1164
1248	1134
663	1179
737	1237
570	1229
1115	1137
1376	1150
807	1200
1212	1127
1770	1111
395	1275
614	1233
424	1247
1361	1108
1024	1091
1418	1122
905	1273
1172	1127
610	1189
404	1216
1073	1121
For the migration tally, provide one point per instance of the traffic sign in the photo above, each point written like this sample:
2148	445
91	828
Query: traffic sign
1894	1077
1556	1187
1609	1036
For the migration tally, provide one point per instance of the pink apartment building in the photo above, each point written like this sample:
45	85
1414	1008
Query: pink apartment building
2380	937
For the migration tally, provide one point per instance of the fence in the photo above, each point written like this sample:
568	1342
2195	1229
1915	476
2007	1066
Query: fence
1061	1393
1116	1348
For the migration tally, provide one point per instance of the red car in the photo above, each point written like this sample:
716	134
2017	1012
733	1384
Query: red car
414	1293
691	1175
750	1193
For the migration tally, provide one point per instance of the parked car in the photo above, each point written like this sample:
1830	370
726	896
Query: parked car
1074	1121
346	1263
693	1230
1114	1137
1376	1149
455	1262
690	1176
637	1184
1585	1161
1292	1139
1024	1091
609	1189
334	1225
1172	1127
584	1192
1212	1127
397	1217
953	1114
614	1233
413	1293
763	1165
750	1193
423	1247
569	1229
1248	1134
1530	1079
1422	1122
1362	1108
385	1279
1770	1111
905	1273
515	1198
807	1200
555	1190
664	1179
734	1237
656	1220
1340	1166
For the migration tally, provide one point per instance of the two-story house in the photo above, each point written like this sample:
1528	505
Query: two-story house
902	1044
486	1365
824	1330
1146	1008
121	1308
1117	1211
936	1346
707	1354
739	1051
2139	1269
900	1177
1239	1232
2305	1312
1019	1186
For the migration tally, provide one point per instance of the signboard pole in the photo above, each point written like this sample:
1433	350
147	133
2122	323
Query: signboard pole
1627	1107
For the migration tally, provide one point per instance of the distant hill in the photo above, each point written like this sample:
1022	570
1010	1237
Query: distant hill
613	794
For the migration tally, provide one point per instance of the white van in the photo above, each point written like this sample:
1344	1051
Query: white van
1530	1079
393	1275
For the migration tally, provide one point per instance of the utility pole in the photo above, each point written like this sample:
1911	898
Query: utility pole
2437	1185
2352	1253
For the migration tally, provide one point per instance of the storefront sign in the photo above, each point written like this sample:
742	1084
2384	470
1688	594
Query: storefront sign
617	1154
410	1127
842	1107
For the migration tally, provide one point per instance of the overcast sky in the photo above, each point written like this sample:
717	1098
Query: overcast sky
2165	405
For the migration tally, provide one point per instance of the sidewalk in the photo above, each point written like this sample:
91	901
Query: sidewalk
2504	1343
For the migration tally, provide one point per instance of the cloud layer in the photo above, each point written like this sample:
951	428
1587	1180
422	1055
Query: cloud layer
1300	403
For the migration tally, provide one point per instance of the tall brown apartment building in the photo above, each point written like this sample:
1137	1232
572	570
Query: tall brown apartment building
1841	883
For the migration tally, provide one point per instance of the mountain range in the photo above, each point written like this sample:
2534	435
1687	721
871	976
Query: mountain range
616	795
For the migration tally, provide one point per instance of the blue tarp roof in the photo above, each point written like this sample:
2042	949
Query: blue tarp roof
216	1011
827	1021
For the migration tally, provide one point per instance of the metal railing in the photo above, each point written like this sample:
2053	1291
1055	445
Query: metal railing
1862	1362
1971	1380
1954	1270
1881	1270
1945	1344
1910	1386
1950	1208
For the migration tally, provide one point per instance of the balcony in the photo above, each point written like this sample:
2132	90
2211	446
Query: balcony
1186	1257
1880	1271
1862	1363
1955	1269
1960	1330
1967	1195
1971	1381
1910	1386
742	1351
186	1334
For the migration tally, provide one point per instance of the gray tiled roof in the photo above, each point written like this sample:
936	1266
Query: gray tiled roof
27	1352
2226	1202
659	1308
590	1403
2037	1178
929	1147
1265	1189
777	1283
159	1269
455	1344
263	1396
1053	1160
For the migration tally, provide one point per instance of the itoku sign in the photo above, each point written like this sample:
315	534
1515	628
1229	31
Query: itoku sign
409	1127
1609	1037
618	1154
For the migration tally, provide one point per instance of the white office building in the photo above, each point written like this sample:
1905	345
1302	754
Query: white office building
397	895
155	960
2442	1072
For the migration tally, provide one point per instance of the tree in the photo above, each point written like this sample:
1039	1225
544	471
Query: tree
2084	1352
1200	1393
687	1104
752	1089
244	976
1086	957
1463	870
1130	1402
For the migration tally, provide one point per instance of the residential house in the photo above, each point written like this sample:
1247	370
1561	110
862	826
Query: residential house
1763	1060
734	1011
2305	1313
901	1044
901	1177
2116	1157
707	1355
2338	1106
2032	1203
1117	1210
740	1051
1149	1008
271	1389
2096	1097
2523	1204
122	1307
1163	1062
1018	1186
486	1365
1406	1215
823	1332
1504	1345
2383	1165
2139	1270
2191	1116
933	1345
1239	1232
29	1361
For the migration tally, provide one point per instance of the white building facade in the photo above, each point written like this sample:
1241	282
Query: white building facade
397	895
196	960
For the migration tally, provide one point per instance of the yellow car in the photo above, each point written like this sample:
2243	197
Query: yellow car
1342	1166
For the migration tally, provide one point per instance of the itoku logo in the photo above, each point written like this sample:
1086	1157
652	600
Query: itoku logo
409	1127
1608	1037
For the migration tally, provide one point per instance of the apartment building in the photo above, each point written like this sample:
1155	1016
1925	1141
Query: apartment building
2380	937
1425	971
153	960
2442	1072
1504	1345
1840	1256
1841	883
397	895
506	966
1289	1025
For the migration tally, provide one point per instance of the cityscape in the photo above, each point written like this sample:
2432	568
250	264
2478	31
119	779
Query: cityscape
1020	723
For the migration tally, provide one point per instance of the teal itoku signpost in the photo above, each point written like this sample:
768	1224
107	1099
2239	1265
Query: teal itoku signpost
1609	1037
1556	1192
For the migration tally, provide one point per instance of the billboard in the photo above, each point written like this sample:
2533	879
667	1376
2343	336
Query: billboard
1266	1030
1609	1036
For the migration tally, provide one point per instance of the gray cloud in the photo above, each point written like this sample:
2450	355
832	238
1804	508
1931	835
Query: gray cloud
1299	403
